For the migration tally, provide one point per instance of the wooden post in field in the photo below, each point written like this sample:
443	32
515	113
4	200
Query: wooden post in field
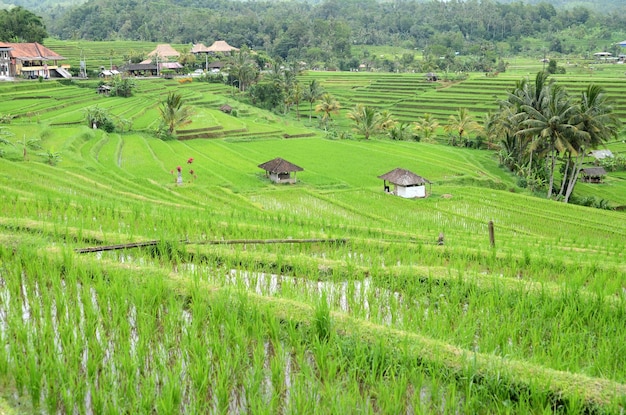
492	239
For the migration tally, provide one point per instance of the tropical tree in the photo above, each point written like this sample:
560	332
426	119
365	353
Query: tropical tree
401	131
173	113
366	120
242	68
527	94
295	97
596	118
52	157
97	117
553	125
386	120
122	86
328	105
21	25
426	127
312	93
29	144
461	124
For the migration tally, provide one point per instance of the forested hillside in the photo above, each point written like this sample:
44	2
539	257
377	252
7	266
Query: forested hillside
328	29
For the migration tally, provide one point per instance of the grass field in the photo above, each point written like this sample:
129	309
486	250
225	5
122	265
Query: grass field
326	296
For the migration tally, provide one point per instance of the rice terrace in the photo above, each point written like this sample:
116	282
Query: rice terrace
141	275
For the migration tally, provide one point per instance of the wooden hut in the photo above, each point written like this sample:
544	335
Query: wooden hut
592	174
405	183
280	171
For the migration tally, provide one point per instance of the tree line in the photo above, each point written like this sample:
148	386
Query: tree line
326	31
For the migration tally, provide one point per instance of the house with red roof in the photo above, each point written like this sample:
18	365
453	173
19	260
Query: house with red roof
30	60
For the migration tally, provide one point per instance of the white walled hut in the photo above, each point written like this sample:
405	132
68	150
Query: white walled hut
405	183
280	171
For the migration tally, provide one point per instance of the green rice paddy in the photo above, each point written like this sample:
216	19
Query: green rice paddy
353	306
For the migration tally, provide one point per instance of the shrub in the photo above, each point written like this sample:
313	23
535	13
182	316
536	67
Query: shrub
100	118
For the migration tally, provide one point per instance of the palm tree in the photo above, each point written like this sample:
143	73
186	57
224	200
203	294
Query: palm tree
312	93
328	105
366	120
295	97
401	131
243	68
596	118
533	95
173	113
460	124
553	125
386	121
426	127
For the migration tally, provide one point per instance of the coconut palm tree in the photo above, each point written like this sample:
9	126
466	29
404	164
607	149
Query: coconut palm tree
366	120
595	117
296	95
328	105
530	94
553	125
401	131
242	68
312	93
426	127
173	113
461	124
386	120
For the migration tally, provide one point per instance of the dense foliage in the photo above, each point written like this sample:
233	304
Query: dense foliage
21	25
326	31
540	119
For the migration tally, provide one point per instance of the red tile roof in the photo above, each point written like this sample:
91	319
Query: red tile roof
31	51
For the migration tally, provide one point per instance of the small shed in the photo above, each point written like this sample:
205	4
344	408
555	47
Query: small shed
405	183
226	109
432	77
104	89
592	174
280	171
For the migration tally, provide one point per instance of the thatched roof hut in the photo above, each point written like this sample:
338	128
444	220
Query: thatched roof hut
221	46
592	174
165	51
280	171
406	183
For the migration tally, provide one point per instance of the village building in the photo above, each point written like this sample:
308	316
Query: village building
164	57
405	183
592	174
30	60
218	47
280	171
432	77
